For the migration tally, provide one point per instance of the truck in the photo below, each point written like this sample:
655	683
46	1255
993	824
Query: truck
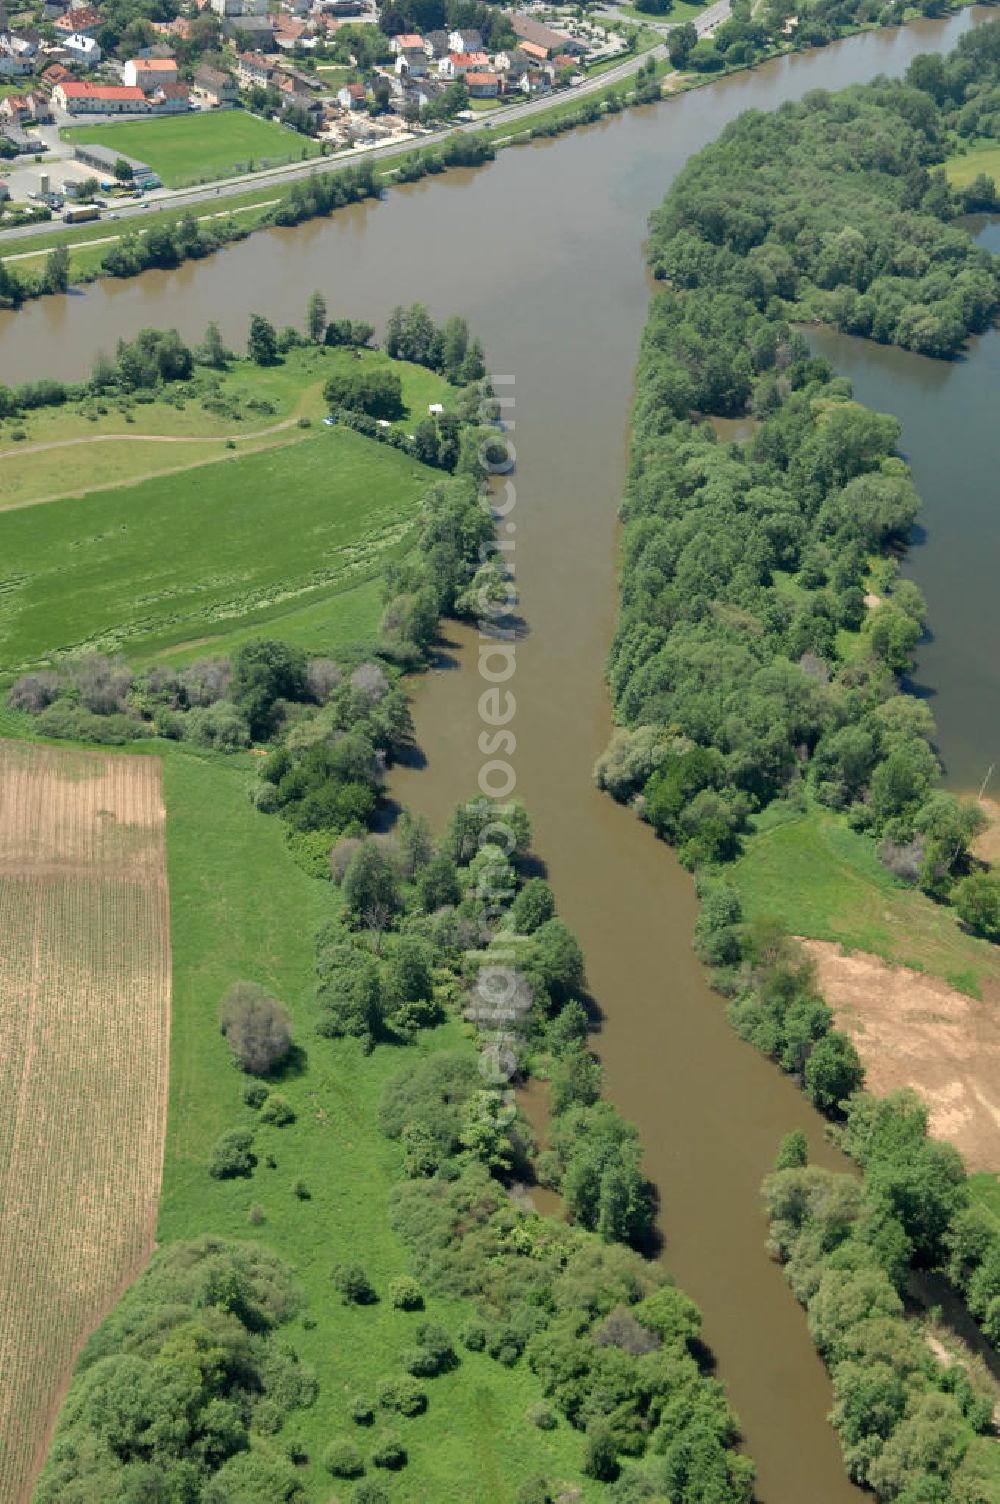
78	214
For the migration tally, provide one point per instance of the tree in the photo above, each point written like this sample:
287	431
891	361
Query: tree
316	317
371	888
262	341
256	1026
375	390
212	352
265	671
232	1155
123	171
55	276
833	1071
680	44
977	903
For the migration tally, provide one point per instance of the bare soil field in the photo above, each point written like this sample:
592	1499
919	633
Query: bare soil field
915	1030
84	1025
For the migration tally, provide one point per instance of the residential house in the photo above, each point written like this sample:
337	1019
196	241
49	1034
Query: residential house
82	49
551	42
25	109
288	31
411	55
253	71
436	44
149	73
84	21
248	28
99	99
17	53
458	64
535	81
179	29
482	85
214	86
55	74
351	97
169	99
465	39
535	54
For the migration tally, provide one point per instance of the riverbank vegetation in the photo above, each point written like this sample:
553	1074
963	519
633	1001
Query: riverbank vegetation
352	1290
763	632
913	1424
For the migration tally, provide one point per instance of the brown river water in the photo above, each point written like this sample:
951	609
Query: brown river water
542	249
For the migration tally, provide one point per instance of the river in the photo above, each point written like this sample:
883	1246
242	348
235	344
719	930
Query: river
542	249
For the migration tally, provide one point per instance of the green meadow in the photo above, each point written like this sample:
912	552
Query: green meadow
199	147
184	559
241	908
825	881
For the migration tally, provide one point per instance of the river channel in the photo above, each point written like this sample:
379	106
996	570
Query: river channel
542	250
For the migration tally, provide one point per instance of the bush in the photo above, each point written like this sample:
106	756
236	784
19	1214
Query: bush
405	1293
33	692
369	1493
232	1155
977	901
543	1416
343	1459
256	1027
355	1287
255	1093
389	1452
434	1353
278	1111
403	1395
362	1410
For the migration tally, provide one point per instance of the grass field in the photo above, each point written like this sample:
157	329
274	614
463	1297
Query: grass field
53	451
199	147
824	881
83	1036
183	559
962	169
474	1441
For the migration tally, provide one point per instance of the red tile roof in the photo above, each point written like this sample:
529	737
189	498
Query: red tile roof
120	93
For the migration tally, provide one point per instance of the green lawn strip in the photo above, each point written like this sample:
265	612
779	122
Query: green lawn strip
985	1189
240	908
961	169
152	565
200	147
679	12
825	881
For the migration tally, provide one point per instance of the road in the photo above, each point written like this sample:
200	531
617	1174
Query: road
278	176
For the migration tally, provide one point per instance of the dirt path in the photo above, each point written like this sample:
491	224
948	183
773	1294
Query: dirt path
915	1030
148	438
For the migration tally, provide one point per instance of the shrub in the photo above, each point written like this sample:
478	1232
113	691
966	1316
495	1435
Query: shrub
232	1155
255	1214
433	1354
405	1293
343	1459
403	1395
256	1027
355	1287
369	1493
543	1416
299	1189
32	692
977	900
255	1093
389	1452
362	1410
278	1111
474	1335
